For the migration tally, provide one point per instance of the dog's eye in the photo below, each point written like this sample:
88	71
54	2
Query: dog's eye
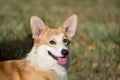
52	42
65	40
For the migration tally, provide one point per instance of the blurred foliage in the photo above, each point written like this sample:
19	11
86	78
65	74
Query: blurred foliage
95	50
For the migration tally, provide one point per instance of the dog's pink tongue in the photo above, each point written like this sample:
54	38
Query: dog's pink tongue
62	60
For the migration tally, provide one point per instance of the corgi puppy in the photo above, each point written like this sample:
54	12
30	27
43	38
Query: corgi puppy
49	57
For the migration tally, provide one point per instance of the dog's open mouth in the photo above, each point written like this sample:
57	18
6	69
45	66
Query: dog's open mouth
61	60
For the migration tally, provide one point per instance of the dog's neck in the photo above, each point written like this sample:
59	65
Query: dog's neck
46	64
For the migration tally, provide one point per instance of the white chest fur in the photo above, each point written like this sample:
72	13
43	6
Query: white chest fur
44	62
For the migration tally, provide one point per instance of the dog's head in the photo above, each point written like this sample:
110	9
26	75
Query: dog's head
53	44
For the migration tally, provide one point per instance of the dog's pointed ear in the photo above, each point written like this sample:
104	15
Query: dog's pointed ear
70	26
37	26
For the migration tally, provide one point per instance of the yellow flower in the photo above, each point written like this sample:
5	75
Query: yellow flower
91	48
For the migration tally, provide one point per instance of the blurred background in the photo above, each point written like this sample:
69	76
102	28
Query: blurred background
95	50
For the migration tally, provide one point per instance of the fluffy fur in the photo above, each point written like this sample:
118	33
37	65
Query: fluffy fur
47	59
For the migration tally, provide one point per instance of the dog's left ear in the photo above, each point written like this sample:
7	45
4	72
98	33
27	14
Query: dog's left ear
37	26
70	26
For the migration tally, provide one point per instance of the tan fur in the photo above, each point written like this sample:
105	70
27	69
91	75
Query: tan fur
47	36
22	70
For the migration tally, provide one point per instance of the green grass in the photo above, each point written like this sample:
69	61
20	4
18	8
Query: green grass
95	50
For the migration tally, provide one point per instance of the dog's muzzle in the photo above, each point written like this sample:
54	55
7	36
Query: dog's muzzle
64	52
61	60
52	55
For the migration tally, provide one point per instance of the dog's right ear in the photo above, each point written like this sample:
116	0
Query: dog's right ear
70	26
37	26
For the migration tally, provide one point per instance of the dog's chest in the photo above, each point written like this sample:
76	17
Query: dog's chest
60	71
56	73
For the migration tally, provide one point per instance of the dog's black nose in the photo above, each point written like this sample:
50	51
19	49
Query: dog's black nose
64	52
